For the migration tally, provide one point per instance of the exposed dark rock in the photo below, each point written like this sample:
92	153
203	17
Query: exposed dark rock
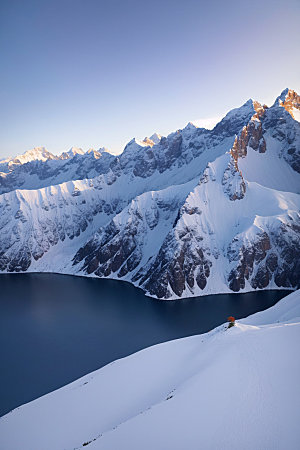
233	182
247	257
177	265
259	263
261	278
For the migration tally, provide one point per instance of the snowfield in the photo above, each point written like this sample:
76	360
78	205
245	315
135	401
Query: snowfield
227	389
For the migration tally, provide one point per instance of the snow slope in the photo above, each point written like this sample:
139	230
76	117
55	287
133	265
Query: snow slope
227	389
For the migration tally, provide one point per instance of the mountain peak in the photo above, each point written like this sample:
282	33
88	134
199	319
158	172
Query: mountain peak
97	153
135	143
71	153
155	137
190	126
152	140
249	102
247	108
75	151
286	96
237	118
103	150
290	101
37	153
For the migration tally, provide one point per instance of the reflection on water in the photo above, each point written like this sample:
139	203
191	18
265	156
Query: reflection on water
56	328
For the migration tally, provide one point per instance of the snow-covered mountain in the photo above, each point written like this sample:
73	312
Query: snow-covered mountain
36	154
39	168
229	389
197	212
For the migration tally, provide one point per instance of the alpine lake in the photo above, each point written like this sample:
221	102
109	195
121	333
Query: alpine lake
57	328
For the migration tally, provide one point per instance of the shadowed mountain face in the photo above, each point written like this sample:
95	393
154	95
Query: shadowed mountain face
197	212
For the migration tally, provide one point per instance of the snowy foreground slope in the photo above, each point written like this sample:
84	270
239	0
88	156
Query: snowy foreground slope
227	389
194	213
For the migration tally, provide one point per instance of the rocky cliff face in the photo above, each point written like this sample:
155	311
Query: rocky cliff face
270	256
233	181
289	100
196	212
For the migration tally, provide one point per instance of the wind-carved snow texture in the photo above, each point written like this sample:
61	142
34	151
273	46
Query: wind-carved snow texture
194	213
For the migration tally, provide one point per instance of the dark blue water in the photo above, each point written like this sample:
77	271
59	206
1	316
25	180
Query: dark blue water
56	328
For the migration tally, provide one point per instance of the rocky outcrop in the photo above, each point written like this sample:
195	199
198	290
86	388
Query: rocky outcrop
289	100
247	255
286	132
276	122
180	264
270	256
252	136
233	183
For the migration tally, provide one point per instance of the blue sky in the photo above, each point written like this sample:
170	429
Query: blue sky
93	73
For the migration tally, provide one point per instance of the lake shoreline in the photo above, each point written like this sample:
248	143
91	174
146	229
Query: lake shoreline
94	277
55	329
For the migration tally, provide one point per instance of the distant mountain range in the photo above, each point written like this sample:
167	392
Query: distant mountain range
194	213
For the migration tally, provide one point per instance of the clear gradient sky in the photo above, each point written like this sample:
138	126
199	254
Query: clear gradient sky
92	73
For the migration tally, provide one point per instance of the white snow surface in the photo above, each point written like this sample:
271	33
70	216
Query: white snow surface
37	153
296	114
229	389
269	170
